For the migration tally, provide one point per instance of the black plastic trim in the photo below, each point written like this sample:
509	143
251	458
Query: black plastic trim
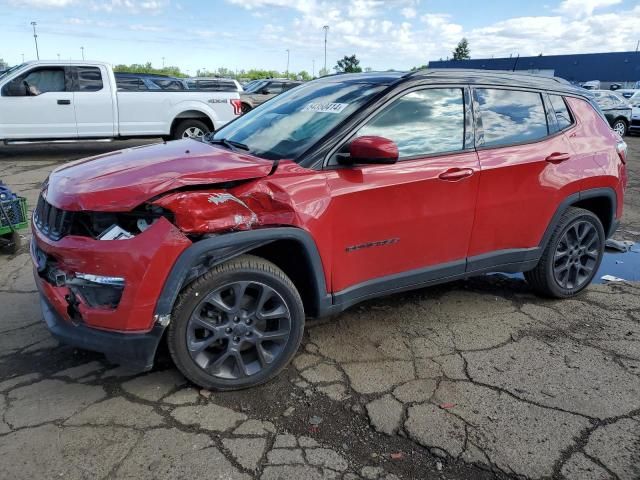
215	250
135	351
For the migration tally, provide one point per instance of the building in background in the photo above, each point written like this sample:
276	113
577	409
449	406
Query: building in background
609	68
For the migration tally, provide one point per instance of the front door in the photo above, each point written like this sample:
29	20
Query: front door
410	222
39	104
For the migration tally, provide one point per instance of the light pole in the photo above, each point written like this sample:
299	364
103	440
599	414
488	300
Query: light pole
82	50
35	39
162	62
58	56
313	68
326	29
287	63
22	57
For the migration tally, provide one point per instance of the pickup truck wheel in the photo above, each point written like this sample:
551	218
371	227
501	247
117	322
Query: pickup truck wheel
190	128
571	258
620	127
236	326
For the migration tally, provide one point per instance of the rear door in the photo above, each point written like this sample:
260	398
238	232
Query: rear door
39	104
93	101
527	169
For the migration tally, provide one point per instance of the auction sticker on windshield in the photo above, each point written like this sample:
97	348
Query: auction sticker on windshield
325	107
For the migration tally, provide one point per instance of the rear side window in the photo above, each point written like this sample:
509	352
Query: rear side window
511	116
563	116
130	84
89	79
422	123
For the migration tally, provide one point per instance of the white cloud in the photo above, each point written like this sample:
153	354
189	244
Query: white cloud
584	7
43	3
409	12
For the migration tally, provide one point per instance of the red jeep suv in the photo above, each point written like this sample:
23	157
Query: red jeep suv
340	190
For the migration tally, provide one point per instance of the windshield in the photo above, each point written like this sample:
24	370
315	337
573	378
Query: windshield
635	98
12	69
290	123
255	86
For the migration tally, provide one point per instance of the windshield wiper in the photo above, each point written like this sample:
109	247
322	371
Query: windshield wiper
230	144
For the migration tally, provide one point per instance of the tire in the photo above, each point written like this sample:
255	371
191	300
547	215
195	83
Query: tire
565	275
220	338
190	128
620	127
246	108
10	244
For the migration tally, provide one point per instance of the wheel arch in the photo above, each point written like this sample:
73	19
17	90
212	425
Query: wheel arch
291	249
600	201
191	114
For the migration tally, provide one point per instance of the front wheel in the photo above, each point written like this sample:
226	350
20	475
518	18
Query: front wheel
620	127
236	326
572	256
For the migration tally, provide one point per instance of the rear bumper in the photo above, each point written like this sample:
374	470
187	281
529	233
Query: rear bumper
135	351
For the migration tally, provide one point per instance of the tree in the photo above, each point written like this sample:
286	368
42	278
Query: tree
421	67
348	65
148	68
323	72
461	51
3	65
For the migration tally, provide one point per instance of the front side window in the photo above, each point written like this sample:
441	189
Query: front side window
563	116
425	122
89	79
289	124
511	116
36	82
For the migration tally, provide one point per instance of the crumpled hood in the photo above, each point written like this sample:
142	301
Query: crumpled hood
122	180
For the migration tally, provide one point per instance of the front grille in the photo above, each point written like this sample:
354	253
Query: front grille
51	221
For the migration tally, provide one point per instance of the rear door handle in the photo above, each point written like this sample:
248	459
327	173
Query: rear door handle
557	157
64	102
455	174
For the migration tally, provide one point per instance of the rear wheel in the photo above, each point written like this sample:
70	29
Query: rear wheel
190	128
237	326
620	127
572	256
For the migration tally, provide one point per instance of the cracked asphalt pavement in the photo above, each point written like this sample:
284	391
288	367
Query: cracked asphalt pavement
475	379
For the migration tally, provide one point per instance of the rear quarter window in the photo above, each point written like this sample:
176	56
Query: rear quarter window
562	113
511	116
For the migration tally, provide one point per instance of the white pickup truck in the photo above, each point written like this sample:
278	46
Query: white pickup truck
79	100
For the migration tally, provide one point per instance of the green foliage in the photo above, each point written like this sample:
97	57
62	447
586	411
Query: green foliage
348	65
420	67
3	65
148	68
461	51
323	72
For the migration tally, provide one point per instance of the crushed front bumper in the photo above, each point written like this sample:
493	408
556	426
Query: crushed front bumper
135	351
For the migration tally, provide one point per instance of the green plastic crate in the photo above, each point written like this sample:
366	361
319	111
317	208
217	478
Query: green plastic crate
16	210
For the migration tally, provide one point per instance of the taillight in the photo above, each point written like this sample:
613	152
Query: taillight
237	106
621	148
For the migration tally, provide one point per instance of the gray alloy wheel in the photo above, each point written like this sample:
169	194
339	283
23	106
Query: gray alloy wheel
576	256
571	257
620	127
192	132
238	329
237	325
190	128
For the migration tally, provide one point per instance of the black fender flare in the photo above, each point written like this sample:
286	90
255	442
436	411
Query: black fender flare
605	192
209	252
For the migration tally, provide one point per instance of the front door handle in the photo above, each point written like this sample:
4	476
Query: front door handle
455	174
557	157
64	102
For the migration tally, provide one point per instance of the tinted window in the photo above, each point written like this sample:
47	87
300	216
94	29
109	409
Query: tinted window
274	88
511	116
89	79
563	117
168	84
228	86
422	123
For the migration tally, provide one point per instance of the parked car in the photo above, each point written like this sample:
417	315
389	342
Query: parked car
263	91
148	81
592	85
634	101
615	108
214	84
346	188
627	92
53	100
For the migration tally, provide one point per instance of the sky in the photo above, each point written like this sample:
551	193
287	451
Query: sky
243	34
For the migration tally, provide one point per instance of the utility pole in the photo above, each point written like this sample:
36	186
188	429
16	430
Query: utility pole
287	63
35	39
82	50
326	29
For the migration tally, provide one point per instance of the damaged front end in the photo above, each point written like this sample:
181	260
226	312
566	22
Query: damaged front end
240	207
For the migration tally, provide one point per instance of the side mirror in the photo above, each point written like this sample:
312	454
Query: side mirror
371	150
